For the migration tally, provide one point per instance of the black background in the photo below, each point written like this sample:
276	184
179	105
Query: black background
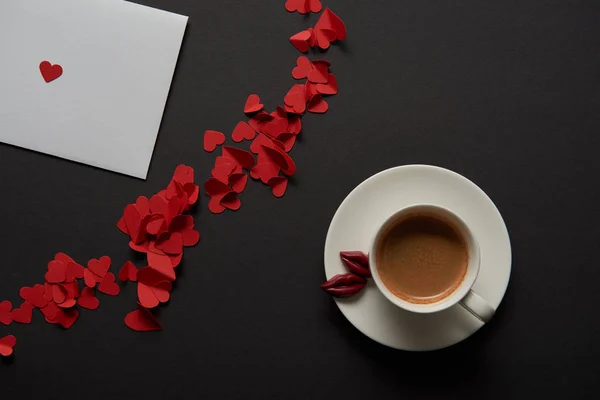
506	93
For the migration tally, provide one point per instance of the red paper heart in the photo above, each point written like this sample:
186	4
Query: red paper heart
238	182
170	243
296	99
212	139
162	264
142	320
318	105
7	343
50	312
23	314
303	68
90	279
50	72
288	140
330	87
243	158
156	224
324	37
57	272
151	296
59	294
253	104
301	40
242	131
108	285
66	318
34	295
73	271
231	201
281	159
278	185
99	267
330	21
5	309
133	220
88	300
275	127
65	259
264	171
68	303
319	73
128	272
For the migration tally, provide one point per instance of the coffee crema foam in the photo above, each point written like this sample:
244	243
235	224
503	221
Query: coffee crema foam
421	258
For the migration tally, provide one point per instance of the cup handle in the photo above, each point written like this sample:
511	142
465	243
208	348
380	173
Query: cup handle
477	306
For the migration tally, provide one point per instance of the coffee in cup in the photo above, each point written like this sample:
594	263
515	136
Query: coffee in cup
425	259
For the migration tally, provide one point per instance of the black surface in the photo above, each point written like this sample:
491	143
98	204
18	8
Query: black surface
506	93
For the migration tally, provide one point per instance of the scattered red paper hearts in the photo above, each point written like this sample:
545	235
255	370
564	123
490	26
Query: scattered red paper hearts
253	104
158	226
212	139
7	344
142	320
274	134
50	72
164	236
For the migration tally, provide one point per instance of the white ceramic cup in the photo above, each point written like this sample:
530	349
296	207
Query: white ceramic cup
463	294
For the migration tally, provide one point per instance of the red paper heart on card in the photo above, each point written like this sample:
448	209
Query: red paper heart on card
7	344
108	285
50	72
5	309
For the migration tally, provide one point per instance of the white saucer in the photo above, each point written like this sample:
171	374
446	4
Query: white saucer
365	209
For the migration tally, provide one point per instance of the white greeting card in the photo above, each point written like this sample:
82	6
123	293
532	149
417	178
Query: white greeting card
86	80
